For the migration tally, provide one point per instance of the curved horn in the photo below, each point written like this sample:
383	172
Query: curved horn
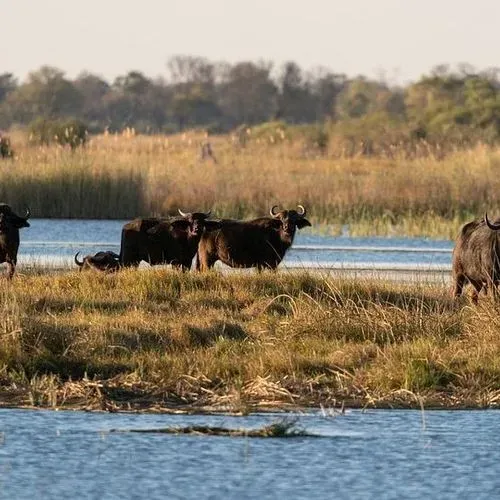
77	262
182	213
302	212
28	213
207	214
273	214
494	227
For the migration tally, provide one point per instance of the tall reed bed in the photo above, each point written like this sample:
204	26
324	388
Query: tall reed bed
158	337
121	176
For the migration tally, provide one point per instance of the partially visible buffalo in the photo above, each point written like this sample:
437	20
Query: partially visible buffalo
164	241
10	223
107	262
260	243
476	257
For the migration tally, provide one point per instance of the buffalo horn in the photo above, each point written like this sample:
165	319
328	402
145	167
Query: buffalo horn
182	213
494	227
28	213
302	212
207	214
77	262
273	214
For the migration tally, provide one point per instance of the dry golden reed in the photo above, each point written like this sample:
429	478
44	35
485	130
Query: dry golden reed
122	176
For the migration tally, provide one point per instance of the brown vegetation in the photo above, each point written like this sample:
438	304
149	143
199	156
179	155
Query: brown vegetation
162	340
123	176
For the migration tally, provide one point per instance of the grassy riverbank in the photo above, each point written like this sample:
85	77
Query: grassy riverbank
122	176
157	339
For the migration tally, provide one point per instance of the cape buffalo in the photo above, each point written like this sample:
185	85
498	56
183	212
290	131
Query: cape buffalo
101	261
164	241
476	257
260	243
10	223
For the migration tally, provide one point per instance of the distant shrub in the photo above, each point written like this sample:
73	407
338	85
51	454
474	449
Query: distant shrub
6	150
316	139
63	132
272	132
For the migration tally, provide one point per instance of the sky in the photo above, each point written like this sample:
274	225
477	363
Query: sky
399	40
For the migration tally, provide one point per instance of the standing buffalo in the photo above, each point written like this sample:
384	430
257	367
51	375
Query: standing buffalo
164	241
476	257
107	262
260	243
10	223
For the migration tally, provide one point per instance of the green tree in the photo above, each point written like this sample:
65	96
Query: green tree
247	94
8	83
45	94
295	101
361	97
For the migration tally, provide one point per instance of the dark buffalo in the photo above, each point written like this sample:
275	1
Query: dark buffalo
107	262
164	241
10	223
476	257
260	243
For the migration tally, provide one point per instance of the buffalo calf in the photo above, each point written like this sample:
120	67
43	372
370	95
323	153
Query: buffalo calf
107	262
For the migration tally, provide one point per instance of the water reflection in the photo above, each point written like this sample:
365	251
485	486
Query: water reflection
374	454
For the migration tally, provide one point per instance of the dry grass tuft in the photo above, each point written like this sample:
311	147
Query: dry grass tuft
161	339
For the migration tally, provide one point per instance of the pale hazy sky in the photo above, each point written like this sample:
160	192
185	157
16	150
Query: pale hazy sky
110	37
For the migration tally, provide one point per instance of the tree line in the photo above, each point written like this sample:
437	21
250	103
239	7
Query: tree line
456	103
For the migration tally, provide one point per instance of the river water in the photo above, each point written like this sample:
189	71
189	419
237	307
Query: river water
377	454
55	242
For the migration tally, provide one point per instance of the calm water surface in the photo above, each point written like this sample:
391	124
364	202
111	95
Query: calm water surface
57	241
376	454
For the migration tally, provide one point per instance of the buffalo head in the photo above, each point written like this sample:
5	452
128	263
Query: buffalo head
194	223
289	220
11	218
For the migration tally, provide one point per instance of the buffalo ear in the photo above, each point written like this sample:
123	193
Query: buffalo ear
212	225
302	223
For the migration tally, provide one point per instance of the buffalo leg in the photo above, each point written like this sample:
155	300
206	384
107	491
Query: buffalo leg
459	285
11	266
477	289
205	261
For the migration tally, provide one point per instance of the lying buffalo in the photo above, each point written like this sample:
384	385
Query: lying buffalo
10	223
260	243
107	262
164	241
476	257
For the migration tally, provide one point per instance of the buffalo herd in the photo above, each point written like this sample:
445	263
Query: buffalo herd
176	240
261	243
